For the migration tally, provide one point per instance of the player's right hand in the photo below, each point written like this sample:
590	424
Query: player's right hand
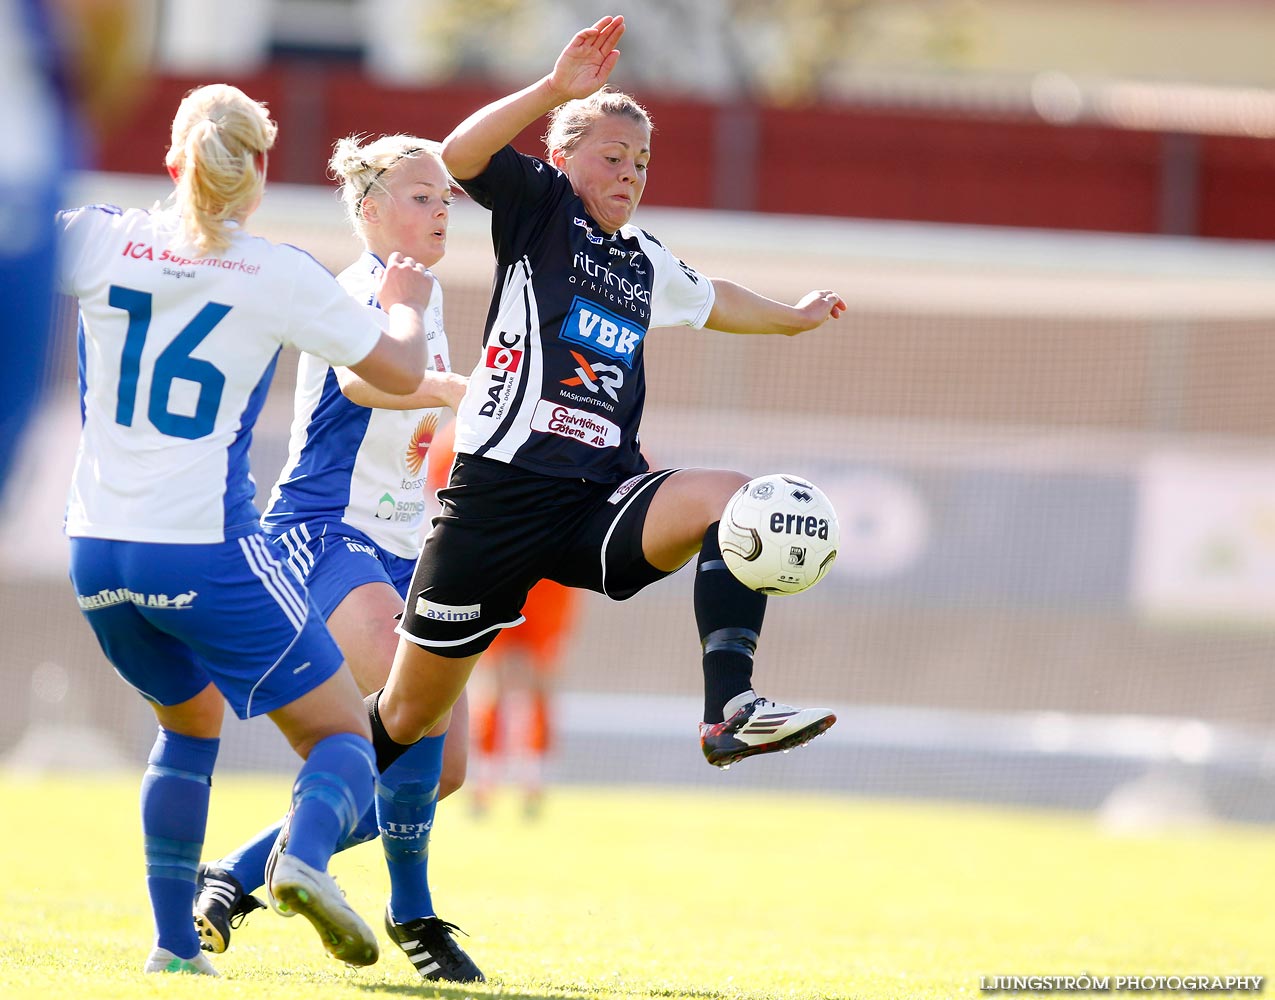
405	282
587	61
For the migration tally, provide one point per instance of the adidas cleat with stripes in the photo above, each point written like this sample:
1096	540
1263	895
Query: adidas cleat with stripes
761	726
296	887
430	946
220	906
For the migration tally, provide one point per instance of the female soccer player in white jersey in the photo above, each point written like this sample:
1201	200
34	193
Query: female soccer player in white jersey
183	315
347	514
549	480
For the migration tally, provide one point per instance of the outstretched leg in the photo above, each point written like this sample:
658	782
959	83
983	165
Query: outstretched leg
683	518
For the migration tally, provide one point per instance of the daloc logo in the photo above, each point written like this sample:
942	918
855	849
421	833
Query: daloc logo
602	330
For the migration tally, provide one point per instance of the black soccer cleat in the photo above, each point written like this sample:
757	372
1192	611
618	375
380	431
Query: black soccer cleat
430	946
220	905
761	726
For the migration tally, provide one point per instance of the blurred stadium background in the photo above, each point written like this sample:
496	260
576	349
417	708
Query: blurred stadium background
1047	421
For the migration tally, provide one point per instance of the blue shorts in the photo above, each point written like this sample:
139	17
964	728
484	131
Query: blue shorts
172	618
333	558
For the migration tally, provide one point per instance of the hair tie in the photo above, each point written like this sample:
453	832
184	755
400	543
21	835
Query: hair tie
401	156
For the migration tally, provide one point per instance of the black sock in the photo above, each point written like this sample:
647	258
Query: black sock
387	751
729	616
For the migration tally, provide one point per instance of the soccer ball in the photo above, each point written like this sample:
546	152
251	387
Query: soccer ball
778	534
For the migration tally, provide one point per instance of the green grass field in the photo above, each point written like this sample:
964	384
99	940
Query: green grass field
657	893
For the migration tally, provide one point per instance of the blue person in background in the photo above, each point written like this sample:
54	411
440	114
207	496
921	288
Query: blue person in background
183	315
56	91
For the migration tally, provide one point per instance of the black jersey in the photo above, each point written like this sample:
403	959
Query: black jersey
559	386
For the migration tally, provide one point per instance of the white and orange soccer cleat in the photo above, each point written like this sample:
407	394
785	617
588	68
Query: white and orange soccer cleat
761	726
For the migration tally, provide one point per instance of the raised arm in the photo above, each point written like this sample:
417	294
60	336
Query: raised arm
397	363
737	309
582	68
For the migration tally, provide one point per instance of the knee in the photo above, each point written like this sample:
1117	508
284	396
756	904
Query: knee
717	493
403	720
200	717
455	770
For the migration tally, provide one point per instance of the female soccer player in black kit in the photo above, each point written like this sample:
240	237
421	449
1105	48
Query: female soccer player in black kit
549	481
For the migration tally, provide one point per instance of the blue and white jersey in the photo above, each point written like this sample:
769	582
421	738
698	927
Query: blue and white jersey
176	355
560	385
350	463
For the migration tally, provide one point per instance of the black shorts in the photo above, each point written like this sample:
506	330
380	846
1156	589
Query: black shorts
502	530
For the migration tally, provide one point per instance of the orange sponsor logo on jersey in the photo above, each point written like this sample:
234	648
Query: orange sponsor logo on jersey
418	447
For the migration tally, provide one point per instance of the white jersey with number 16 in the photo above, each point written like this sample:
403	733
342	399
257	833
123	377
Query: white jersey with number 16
176	355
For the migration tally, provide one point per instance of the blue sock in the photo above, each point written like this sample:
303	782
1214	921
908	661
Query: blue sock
175	792
333	790
406	797
247	863
364	830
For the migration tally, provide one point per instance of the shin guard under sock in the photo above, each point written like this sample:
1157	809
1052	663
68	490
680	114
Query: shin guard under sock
175	792
729	617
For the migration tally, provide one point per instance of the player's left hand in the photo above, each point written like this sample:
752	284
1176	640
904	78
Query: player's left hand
405	281
455	389
820	306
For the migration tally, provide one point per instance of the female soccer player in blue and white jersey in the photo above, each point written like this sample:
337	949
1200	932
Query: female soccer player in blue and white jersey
347	513
549	480
183	315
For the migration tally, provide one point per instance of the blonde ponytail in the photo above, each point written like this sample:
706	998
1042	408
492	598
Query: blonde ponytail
220	137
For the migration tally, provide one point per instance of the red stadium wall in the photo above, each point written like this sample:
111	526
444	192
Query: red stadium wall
828	160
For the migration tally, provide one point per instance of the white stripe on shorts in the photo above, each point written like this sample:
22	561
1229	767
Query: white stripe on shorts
300	558
275	579
651	479
427	643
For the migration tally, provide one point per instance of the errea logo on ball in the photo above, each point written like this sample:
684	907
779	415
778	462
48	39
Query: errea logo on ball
798	524
448	612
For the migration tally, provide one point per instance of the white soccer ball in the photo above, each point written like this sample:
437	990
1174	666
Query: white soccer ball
778	534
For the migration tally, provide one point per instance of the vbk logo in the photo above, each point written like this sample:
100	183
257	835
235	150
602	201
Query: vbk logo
607	378
602	330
